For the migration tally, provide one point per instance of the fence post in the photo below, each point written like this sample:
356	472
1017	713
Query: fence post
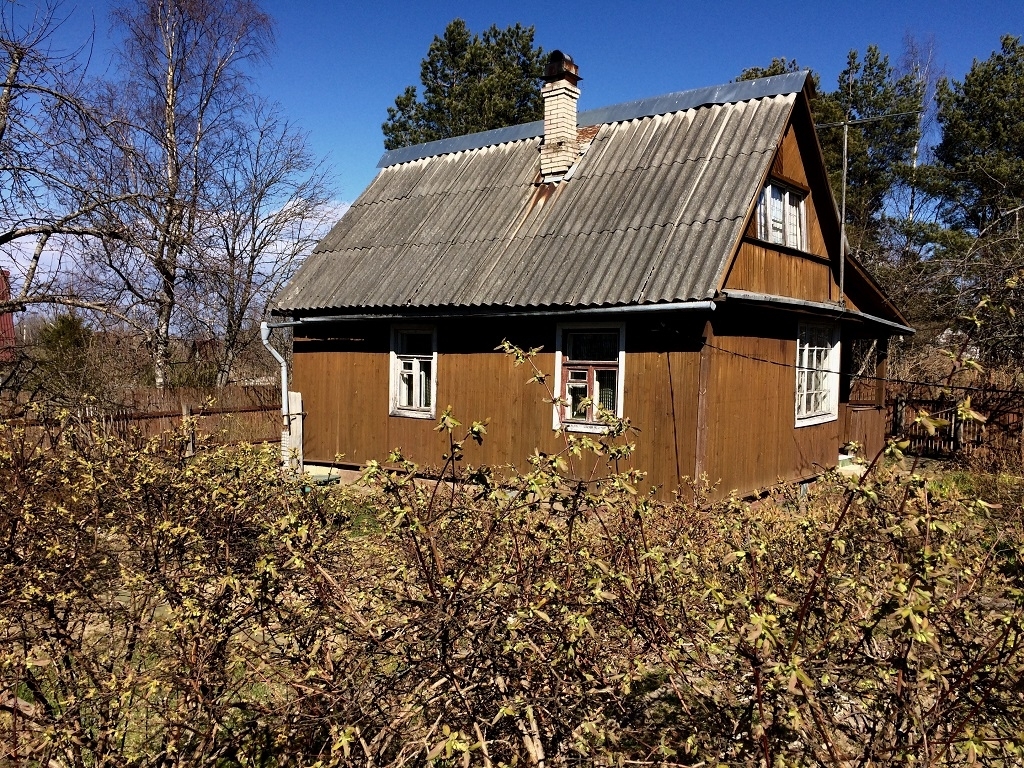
956	425
899	405
294	458
189	425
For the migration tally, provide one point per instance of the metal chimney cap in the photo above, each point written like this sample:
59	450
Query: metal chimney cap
560	66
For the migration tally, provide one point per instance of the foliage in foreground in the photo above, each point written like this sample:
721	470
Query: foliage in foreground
157	609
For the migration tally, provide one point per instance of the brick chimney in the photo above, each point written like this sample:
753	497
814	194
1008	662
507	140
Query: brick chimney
560	149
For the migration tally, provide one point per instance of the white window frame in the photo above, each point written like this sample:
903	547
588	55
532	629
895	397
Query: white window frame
394	378
829	366
558	412
792	204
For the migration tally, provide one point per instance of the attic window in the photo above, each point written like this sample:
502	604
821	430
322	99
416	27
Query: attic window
589	362
413	372
780	216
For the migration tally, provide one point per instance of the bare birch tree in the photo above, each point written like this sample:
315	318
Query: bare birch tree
267	202
172	198
184	80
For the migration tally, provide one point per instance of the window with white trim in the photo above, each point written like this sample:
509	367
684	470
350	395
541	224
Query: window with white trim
589	362
817	374
780	216
413	372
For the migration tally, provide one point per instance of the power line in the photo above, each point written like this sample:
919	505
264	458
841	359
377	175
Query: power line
842	213
886	379
869	119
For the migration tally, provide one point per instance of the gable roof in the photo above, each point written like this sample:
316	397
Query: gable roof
651	212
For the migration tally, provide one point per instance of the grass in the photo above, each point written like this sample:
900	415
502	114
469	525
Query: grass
1002	488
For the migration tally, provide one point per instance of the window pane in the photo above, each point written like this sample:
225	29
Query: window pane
405	386
606	389
793	236
592	345
813	378
416	343
776	215
425	384
575	394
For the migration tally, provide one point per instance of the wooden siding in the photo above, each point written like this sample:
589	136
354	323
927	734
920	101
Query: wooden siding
864	424
743	428
343	378
811	274
752	440
762	267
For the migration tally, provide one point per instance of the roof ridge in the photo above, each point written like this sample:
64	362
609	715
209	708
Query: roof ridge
679	101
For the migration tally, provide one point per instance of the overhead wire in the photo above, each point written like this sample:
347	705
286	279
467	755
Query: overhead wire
937	384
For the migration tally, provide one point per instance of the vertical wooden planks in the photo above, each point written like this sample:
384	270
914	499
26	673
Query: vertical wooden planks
753	441
345	389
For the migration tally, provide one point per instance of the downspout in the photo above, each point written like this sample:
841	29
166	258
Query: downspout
286	416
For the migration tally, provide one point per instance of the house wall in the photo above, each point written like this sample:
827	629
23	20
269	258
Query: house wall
813	274
752	440
741	432
766	269
343	377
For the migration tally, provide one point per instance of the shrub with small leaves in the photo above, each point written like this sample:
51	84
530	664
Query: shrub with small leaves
164	609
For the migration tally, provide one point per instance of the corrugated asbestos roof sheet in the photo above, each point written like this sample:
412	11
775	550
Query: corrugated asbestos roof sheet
651	214
744	90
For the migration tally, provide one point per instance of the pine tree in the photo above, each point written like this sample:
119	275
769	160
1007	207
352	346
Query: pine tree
978	175
470	83
879	151
980	160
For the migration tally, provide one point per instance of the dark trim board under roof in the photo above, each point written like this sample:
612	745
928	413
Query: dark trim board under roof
680	101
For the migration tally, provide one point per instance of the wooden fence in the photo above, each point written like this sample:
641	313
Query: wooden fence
228	415
1002	432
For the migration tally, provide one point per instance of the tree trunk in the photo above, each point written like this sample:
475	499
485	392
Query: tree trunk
162	343
227	360
8	91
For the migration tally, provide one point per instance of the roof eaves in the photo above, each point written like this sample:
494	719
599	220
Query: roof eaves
836	310
326	314
865	273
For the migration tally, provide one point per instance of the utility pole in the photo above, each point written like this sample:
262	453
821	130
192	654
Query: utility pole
842	214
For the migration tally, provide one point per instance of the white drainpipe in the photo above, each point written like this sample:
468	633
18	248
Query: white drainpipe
286	416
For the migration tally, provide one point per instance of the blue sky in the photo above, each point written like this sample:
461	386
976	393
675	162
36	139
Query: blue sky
338	66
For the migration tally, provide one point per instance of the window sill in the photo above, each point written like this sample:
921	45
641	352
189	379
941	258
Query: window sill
821	418
411	414
593	429
788	249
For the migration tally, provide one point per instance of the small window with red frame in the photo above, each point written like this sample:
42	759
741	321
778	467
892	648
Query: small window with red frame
590	373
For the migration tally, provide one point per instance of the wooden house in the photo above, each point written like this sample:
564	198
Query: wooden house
678	259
